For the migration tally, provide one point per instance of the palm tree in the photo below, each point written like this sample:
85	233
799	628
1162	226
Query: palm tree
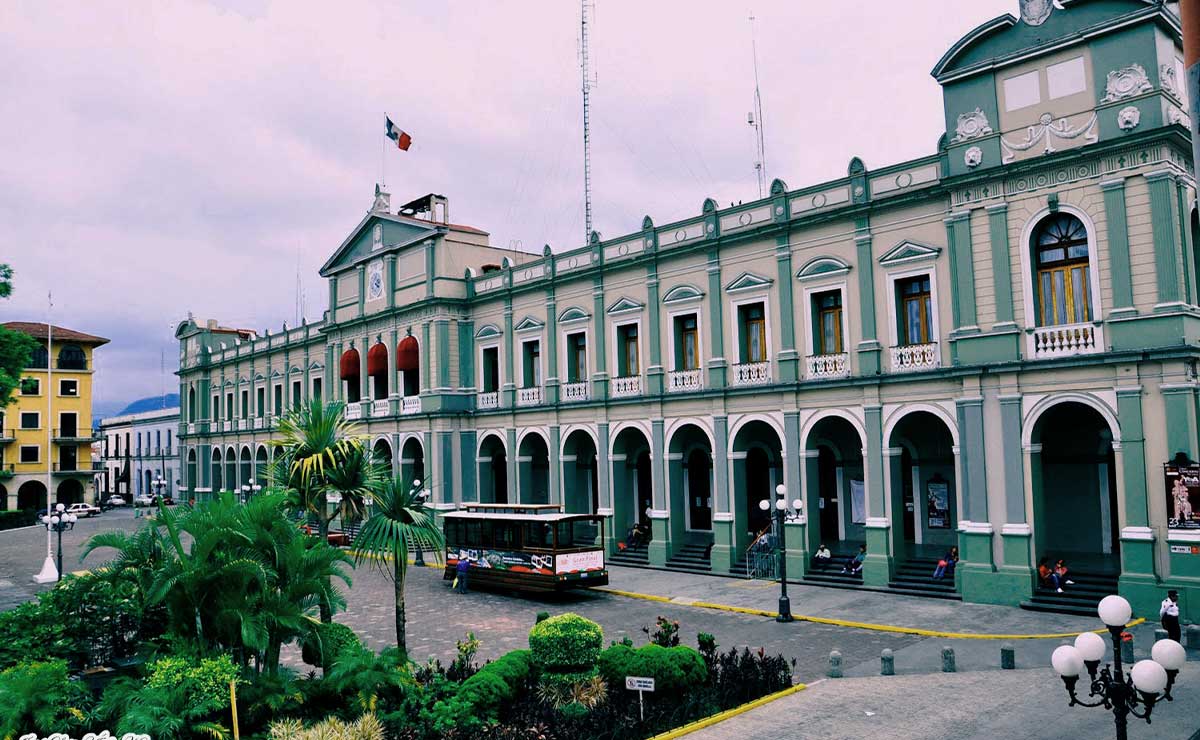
316	441
399	519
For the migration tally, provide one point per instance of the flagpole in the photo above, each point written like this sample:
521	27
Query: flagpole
383	158
49	571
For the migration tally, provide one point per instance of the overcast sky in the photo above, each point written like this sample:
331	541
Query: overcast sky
161	158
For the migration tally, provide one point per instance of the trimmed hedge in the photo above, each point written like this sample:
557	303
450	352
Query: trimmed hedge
674	670
14	519
478	698
326	643
567	643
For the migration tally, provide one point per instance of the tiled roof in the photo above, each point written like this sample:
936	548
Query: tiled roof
37	330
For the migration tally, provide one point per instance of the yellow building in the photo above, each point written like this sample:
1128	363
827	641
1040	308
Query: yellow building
46	432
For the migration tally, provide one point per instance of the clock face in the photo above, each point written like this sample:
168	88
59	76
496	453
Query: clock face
375	283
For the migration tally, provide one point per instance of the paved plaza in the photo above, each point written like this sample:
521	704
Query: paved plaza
919	702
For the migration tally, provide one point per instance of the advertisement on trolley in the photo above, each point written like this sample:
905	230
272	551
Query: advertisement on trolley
517	562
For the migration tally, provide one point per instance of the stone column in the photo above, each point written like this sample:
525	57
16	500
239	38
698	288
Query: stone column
962	270
1168	256
551	379
604	482
511	461
1138	581
1014	577
716	341
363	379
1119	272
395	388
974	573
723	539
797	536
426	365
468	490
600	340
787	358
362	290
654	371
508	389
556	492
812	499
869	349
1001	265
660	545
877	570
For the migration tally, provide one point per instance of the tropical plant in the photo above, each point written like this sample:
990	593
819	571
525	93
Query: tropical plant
40	696
665	634
399	519
565	648
366	727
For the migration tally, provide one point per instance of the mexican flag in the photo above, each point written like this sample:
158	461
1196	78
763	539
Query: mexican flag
403	140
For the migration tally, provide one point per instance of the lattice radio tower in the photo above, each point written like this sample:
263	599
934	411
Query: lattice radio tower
755	119
588	82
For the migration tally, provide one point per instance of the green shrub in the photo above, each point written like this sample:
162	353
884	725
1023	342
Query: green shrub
567	643
40	697
477	699
14	519
542	617
205	681
674	670
326	643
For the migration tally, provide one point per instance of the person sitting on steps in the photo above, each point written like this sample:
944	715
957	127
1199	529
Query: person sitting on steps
945	566
855	564
822	555
1047	577
1060	570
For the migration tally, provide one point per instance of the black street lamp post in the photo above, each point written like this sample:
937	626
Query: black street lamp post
59	521
782	514
1148	681
419	558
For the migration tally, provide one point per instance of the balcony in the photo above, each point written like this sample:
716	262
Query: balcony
227	426
353	411
823	367
626	387
683	381
410	405
191	428
913	357
576	392
7	437
381	407
77	467
1065	340
489	400
241	425
7	470
74	436
751	373
531	396
258	422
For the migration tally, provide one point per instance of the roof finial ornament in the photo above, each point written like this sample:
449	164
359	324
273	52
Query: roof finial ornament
1035	12
383	201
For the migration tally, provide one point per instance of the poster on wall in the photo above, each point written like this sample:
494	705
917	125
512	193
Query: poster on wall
1183	494
858	503
938	504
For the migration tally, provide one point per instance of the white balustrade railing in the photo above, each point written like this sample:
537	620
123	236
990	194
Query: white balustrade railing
353	411
488	400
1065	340
258	422
627	386
580	391
531	396
820	367
191	428
680	381
241	425
909	357
752	373
410	405
380	407
227	426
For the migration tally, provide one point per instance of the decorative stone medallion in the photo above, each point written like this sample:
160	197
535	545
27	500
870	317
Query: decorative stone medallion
971	126
1035	12
1166	73
1129	117
1126	82
377	237
375	281
973	157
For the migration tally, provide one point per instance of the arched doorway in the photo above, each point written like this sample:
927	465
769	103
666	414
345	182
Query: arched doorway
3	498
148	481
924	492
231	481
1075	489
412	462
217	474
757	469
382	450
191	405
351	380
262	472
835	493
246	470
191	473
408	362
493	470
689	474
581	487
31	496
533	469
377	370
70	491
632	480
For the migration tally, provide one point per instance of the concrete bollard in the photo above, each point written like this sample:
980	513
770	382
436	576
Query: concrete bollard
1008	657
1127	651
887	663
835	664
1193	637
948	660
1160	634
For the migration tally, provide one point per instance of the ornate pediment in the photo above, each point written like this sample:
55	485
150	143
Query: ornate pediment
315	365
822	267
488	331
572	314
909	251
376	233
276	374
228	383
748	281
682	294
529	323
625	305
295	370
258	377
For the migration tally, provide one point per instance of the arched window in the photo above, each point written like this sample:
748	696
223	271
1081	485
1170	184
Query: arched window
71	357
40	357
1061	260
377	368
349	367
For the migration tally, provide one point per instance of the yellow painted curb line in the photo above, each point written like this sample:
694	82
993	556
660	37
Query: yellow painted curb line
388	558
856	625
700	724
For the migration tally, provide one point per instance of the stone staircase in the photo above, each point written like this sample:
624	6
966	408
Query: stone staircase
693	557
1081	598
634	557
915	577
829	573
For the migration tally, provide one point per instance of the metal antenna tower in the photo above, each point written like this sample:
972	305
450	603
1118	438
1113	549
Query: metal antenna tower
755	119
587	140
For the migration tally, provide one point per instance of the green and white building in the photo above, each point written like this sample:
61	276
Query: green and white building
994	346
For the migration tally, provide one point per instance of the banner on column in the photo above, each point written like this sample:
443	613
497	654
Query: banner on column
1183	494
858	502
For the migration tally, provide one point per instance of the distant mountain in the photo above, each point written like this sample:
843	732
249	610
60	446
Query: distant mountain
154	403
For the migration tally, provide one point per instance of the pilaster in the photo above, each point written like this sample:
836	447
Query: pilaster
787	361
1120	273
974	463
722	551
1001	263
604	482
468	466
362	290
389	272
508	389
552	380
877	570
660	544
556	486
716	337
600	340
1168	257
869	349
962	269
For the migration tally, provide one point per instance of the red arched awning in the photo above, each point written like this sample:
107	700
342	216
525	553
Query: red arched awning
349	364
377	359
408	354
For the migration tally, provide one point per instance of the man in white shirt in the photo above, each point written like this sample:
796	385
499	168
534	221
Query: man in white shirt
1168	614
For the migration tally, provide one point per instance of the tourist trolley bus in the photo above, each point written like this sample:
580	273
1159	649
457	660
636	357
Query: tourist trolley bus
532	547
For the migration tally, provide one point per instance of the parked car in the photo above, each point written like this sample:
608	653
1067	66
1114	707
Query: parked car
113	501
143	500
83	510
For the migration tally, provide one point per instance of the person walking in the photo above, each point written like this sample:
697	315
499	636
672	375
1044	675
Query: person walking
460	573
1168	614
